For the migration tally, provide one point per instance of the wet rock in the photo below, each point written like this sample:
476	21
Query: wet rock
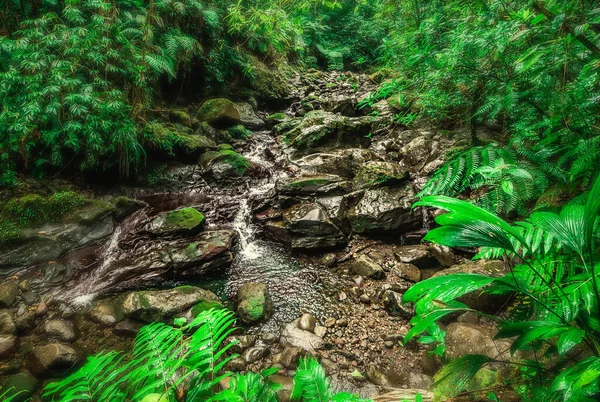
342	103
125	206
162	305
365	266
377	377
295	337
8	292
106	314
307	322
417	255
270	338
478	300
287	384
329	260
83	225
242	342
219	113
254	302
30	298
8	345
25	321
61	330
376	173
407	271
467	339
255	353
392	301
23	386
129	328
248	118
313	185
237	364
341	162
209	251
185	221
53	360
419	381
290	357
385	209
311	228
324	129
7	323
224	164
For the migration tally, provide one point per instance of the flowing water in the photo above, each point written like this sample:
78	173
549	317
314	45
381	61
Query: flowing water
112	267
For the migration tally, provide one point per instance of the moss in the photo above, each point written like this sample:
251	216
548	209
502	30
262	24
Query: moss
256	306
186	218
278	116
219	112
186	289
225	147
239	132
180	116
267	84
204	305
33	209
239	163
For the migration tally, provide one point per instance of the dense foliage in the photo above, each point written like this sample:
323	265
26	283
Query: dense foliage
184	362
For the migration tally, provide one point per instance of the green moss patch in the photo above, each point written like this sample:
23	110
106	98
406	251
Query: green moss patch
186	218
239	132
219	113
205	305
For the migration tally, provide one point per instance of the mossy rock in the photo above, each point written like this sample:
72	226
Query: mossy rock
375	173
225	147
268	84
181	117
204	305
225	164
219	113
185	220
254	302
239	132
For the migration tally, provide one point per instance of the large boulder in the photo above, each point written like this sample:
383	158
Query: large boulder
477	300
320	129
342	162
219	113
311	228
185	221
88	222
375	173
53	360
224	164
248	118
467	339
418	255
313	185
385	209
162	305
254	302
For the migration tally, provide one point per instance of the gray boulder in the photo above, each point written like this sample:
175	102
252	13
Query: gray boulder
61	330
53	360
248	118
386	209
311	228
162	305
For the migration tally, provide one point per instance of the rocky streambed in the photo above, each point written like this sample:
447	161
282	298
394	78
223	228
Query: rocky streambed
298	219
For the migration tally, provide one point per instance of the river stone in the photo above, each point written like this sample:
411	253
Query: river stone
224	164
25	321
307	322
8	345
23	386
7	323
8	292
478	300
254	302
467	339
106	314
407	271
365	266
376	173
61	330
392	301
162	305
83	225
241	342
248	117
311	228
293	336
313	185
290	356
219	113
417	255
255	353
54	359
386	209
129	328
186	221
209	251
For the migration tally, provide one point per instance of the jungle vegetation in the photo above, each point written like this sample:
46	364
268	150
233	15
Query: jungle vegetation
79	80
